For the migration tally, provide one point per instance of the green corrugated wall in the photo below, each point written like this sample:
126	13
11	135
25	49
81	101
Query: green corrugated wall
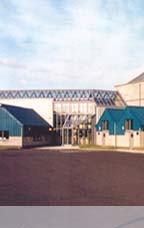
9	123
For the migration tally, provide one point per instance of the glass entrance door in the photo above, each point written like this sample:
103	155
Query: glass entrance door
67	136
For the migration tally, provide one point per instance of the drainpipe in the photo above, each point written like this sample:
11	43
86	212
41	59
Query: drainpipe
115	133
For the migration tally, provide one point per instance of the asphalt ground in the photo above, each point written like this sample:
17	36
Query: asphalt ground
71	177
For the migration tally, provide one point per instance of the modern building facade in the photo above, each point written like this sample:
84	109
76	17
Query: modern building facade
72	113
22	127
133	91
121	127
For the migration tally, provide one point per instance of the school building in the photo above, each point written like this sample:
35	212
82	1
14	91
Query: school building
73	114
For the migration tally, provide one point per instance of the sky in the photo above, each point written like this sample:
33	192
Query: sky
51	44
72	217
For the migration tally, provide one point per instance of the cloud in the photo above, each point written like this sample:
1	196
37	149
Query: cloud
11	64
83	44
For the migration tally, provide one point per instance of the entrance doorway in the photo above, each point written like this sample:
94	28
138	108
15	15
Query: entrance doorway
76	130
67	136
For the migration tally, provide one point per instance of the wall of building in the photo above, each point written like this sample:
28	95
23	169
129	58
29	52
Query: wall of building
133	93
129	139
43	106
12	141
75	107
25	142
95	119
104	139
142	138
99	112
9	123
124	140
29	141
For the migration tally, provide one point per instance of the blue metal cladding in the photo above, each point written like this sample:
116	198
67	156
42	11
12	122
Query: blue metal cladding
112	116
117	118
9	123
27	117
132	113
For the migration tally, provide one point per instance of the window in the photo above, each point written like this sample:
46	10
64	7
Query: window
4	135
129	124
105	125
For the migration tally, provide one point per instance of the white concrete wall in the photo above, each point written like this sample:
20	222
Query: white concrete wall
133	93
99	112
128	141
108	140
43	106
12	141
121	140
142	139
137	139
26	141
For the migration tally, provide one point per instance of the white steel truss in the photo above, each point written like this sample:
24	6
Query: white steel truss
101	97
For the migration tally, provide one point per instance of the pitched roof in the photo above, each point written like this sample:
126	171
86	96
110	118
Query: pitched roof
139	78
138	112
115	113
27	117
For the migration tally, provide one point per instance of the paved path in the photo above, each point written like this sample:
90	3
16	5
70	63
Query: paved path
65	147
72	217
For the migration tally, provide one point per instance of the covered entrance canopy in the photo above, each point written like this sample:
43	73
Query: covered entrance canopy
77	129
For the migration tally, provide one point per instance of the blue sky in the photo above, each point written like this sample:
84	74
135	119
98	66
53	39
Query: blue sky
70	43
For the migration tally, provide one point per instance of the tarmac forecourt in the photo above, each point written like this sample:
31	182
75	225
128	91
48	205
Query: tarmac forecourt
71	178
